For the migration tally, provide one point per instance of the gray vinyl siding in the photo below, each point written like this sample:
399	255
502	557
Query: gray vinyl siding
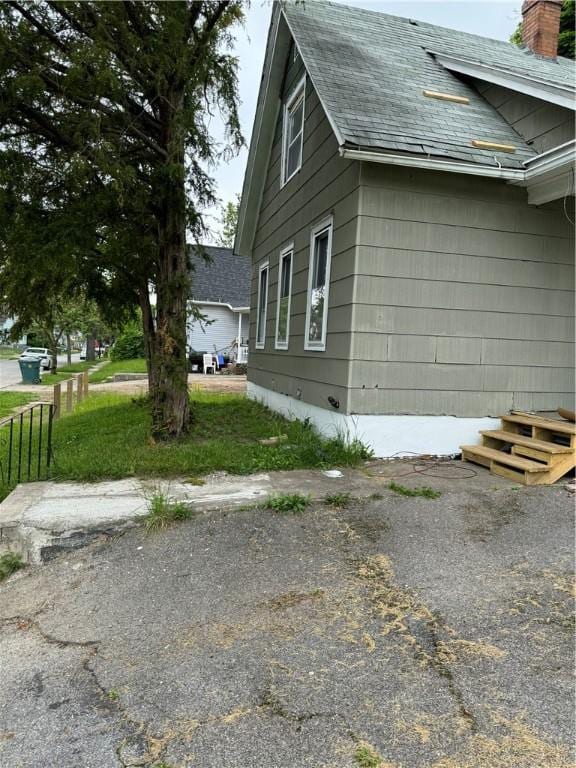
463	297
325	185
541	124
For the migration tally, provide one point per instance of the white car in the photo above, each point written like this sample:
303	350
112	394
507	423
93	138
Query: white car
40	353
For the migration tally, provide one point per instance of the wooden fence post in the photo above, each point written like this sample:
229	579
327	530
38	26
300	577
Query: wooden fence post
79	388
57	400
69	395
85	377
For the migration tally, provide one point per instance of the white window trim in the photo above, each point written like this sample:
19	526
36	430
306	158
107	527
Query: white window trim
264	266
318	346
289	249
294	96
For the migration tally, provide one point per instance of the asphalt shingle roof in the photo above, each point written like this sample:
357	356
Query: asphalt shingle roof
370	69
224	278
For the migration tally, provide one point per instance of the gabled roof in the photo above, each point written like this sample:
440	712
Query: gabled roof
224	277
370	69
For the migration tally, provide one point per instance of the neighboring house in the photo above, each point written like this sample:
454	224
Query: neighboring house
6	325
408	208
221	293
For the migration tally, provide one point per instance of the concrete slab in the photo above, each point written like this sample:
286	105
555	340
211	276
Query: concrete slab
39	520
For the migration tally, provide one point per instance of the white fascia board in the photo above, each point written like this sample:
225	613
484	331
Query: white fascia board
451	166
557	159
212	304
265	117
563	96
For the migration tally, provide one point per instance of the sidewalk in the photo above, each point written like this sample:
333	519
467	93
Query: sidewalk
135	387
41	519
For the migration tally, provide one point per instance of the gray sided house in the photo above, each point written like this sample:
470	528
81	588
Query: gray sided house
221	294
408	210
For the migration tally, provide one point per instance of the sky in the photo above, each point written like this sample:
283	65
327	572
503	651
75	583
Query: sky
489	18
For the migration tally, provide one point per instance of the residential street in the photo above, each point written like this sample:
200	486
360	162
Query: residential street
10	370
437	633
9	373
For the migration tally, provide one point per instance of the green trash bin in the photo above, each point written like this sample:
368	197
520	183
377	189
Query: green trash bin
30	370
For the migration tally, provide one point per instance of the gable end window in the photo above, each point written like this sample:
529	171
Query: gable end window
293	132
262	306
318	286
284	295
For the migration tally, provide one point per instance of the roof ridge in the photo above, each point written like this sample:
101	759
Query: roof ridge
419	22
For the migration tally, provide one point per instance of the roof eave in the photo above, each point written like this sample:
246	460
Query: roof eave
563	96
245	228
432	164
550	176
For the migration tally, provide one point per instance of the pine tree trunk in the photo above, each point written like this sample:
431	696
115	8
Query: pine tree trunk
68	349
54	355
90	351
168	371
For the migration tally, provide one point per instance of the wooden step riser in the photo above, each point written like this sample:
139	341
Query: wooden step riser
482	460
510	438
550	459
524	478
516	475
520	450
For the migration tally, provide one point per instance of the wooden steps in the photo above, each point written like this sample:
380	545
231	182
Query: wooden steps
528	449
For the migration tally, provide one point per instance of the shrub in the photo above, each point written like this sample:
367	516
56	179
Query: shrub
129	344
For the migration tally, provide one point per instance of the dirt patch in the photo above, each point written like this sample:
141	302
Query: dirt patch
546	598
369	528
290	599
485	517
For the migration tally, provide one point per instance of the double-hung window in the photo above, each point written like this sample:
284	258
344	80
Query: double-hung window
318	285
262	306
293	132
284	292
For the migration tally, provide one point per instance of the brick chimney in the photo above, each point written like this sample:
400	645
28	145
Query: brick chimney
541	25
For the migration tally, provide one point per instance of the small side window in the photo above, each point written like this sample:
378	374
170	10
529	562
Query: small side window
262	306
293	133
284	296
318	286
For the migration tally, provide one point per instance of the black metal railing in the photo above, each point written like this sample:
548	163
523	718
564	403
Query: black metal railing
26	444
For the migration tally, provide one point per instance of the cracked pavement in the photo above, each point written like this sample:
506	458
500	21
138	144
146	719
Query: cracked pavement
437	631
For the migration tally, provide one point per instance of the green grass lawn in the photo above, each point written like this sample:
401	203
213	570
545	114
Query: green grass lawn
107	436
11	400
118	366
67	371
8	353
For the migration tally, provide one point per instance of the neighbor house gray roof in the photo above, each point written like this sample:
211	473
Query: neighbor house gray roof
223	277
370	69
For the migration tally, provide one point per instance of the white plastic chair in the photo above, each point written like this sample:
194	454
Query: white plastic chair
208	362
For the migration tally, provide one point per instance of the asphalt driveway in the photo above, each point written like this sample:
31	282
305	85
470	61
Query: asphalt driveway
400	632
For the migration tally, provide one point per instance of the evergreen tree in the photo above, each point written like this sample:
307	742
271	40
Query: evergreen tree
104	142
